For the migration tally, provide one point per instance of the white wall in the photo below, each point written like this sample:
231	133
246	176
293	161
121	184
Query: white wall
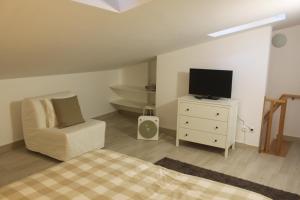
135	75
92	90
152	71
247	54
284	78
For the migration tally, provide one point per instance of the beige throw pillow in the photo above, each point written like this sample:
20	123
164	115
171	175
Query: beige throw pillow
68	112
51	121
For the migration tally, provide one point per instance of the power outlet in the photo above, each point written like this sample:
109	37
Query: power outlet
244	129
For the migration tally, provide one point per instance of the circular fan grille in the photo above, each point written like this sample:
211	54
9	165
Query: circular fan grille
148	129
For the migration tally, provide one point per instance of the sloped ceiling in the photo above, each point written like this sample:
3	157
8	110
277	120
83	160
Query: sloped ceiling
43	37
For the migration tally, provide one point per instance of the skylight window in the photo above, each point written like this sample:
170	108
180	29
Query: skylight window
118	6
250	25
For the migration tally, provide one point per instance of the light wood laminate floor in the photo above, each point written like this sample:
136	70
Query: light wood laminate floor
244	162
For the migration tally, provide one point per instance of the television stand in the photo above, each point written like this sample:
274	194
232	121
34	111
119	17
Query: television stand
207	97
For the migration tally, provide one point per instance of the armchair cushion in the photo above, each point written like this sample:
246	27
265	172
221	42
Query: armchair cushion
67	111
64	144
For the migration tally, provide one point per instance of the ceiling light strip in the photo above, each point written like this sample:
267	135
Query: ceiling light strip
250	25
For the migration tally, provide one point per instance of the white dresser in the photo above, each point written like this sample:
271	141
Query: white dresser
209	122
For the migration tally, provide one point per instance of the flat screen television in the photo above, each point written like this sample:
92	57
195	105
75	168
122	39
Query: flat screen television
212	84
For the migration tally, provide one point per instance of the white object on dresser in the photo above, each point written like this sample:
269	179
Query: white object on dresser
209	122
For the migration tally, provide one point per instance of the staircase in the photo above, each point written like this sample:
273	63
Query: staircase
275	144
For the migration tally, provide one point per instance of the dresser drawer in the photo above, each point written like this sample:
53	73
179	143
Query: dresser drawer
217	127
203	111
202	137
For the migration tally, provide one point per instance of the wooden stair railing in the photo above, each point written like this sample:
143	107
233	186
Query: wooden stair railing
276	147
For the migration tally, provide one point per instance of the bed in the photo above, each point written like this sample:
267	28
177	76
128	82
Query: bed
104	174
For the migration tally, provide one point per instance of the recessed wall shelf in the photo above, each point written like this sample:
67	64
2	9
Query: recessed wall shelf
129	103
130	93
124	104
129	88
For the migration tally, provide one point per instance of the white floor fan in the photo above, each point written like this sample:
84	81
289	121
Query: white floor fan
148	125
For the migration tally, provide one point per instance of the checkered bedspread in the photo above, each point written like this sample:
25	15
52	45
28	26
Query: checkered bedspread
104	174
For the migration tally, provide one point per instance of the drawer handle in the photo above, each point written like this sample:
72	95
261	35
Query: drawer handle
218	114
217	127
216	141
186	122
187	109
186	134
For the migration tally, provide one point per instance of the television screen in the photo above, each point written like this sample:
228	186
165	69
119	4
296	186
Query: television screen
210	83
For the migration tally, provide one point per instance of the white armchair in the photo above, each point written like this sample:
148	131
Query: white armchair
61	144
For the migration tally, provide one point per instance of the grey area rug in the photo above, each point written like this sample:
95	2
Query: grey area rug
223	178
